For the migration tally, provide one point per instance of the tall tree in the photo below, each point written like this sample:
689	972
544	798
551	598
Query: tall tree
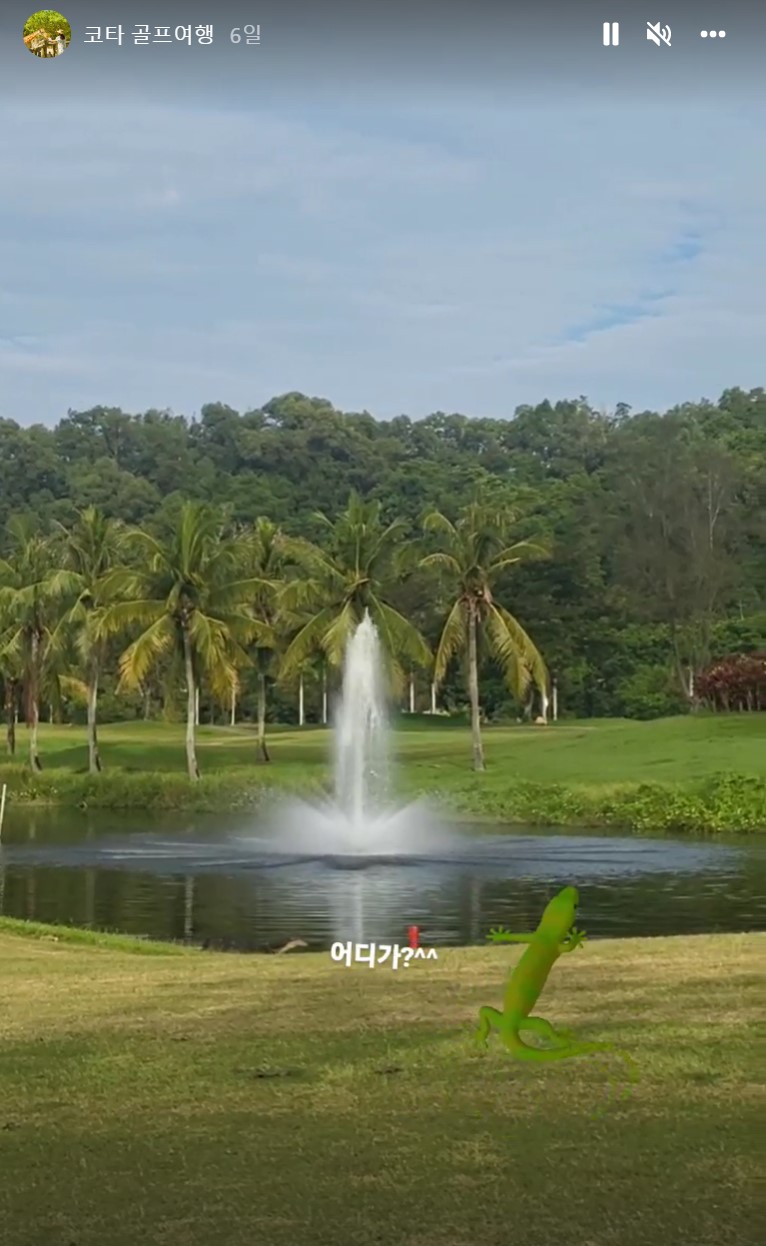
29	602
93	549
475	551
676	529
192	597
350	572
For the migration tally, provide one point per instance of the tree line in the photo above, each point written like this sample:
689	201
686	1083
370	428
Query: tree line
213	598
641	553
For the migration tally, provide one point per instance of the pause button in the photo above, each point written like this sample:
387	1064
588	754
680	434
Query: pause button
611	34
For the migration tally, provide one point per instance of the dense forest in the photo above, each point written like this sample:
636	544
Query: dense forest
652	528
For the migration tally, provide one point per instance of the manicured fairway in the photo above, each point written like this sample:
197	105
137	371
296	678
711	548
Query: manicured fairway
597	751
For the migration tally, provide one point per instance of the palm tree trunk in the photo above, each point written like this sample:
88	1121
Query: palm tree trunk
94	760
412	694
324	696
146	691
32	708
263	750
191	710
10	717
233	714
301	709
473	693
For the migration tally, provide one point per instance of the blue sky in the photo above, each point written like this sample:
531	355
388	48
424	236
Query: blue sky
175	236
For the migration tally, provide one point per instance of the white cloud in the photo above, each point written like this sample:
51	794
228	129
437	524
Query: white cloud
495	259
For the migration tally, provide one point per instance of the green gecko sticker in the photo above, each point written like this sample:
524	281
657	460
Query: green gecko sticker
555	935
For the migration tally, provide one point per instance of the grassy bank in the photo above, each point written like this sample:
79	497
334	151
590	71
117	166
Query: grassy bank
185	1098
693	773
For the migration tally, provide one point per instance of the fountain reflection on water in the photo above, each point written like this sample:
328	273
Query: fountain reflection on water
361	823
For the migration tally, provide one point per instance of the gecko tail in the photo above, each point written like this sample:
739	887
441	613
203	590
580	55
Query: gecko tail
540	1055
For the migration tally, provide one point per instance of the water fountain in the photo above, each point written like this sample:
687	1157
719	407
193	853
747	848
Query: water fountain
361	764
360	822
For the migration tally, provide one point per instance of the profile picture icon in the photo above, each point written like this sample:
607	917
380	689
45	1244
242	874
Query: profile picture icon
47	33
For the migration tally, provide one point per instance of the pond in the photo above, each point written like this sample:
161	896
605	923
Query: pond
204	879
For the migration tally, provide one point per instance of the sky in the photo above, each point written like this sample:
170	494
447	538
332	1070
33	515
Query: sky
460	211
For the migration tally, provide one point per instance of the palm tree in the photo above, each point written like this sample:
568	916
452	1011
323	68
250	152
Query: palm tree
28	603
341	579
11	676
267	559
93	549
11	682
191	595
475	551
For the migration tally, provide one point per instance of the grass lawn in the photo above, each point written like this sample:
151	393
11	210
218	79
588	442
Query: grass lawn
589	764
184	1098
597	751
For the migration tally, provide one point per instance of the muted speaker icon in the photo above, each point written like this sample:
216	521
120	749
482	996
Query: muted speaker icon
658	34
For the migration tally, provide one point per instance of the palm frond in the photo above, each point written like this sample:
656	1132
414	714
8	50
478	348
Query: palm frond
316	562
214	652
337	634
435	521
124	583
515	651
444	561
136	613
383	543
453	639
526	551
138	659
298	596
306	643
65	583
399	636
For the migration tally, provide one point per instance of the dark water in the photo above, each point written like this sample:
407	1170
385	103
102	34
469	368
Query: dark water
210	878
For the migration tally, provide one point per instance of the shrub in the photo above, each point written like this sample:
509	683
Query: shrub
734	683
